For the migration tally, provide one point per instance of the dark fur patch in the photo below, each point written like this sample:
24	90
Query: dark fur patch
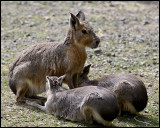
12	86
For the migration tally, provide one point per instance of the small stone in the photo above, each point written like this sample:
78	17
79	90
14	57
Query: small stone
141	75
139	39
32	25
130	71
150	85
119	35
146	53
28	35
154	58
113	54
146	22
97	50
146	111
47	18
155	63
90	56
109	61
112	5
123	19
14	40
124	67
108	54
156	18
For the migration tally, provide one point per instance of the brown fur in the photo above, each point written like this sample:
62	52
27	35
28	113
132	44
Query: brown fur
130	91
28	71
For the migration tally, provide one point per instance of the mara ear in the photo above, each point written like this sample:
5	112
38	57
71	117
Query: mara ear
47	78
85	70
61	78
81	15
48	85
74	22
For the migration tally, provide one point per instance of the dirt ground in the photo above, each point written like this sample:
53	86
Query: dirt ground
129	33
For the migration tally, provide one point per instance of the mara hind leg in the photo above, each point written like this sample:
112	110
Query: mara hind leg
120	108
87	113
91	115
124	91
97	117
69	80
72	80
127	106
21	91
75	80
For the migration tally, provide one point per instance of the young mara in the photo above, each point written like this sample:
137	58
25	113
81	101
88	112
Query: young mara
90	103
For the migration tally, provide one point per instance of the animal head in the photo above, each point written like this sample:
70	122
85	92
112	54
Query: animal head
83	33
83	76
54	83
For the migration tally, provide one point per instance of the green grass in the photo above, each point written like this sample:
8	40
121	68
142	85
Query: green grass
26	23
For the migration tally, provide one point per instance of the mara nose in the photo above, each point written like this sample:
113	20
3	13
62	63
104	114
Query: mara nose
97	41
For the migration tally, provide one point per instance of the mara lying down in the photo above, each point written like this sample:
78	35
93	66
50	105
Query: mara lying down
90	103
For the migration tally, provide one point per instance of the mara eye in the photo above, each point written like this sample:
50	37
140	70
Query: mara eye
84	31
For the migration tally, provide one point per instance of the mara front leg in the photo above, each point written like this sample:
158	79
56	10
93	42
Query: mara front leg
75	80
31	103
22	88
71	80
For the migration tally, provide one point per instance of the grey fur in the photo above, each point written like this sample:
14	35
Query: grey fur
130	90
80	103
